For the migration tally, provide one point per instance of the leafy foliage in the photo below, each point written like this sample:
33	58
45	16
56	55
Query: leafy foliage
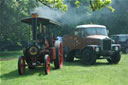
94	5
98	4
54	4
12	11
12	31
117	21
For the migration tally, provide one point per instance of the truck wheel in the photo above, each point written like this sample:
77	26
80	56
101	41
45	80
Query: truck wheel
65	51
115	58
126	50
123	51
69	57
21	65
58	62
89	57
109	61
47	64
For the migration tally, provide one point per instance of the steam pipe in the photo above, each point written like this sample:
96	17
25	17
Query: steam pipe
34	26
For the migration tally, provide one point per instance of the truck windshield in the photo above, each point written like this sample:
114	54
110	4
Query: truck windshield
95	31
123	38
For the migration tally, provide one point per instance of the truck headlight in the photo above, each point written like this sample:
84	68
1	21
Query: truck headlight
116	48
97	49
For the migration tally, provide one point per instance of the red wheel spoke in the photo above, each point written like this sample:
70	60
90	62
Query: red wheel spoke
47	69
61	55
21	65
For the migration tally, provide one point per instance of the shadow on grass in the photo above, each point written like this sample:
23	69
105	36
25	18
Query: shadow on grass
28	72
40	70
79	63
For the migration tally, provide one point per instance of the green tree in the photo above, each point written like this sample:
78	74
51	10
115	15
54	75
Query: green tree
116	22
11	12
94	4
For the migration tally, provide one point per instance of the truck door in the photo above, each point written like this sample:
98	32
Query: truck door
78	39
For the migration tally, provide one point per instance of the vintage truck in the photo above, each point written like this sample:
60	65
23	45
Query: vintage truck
90	42
121	39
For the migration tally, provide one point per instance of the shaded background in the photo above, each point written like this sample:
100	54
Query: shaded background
14	34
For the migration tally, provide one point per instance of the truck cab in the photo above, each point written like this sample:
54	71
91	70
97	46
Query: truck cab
121	39
90	42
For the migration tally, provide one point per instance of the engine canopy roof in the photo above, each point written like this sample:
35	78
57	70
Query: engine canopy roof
40	20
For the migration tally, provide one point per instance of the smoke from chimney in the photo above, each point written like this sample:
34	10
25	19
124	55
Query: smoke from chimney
72	17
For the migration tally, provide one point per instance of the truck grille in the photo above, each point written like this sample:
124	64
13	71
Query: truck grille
107	44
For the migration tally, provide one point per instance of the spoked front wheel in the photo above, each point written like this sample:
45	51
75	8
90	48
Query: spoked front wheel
47	64
21	65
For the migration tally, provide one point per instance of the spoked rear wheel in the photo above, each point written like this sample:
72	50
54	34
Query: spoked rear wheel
21	65
58	62
47	64
60	53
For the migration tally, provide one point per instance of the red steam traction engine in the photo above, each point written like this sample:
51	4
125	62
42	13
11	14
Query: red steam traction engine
43	49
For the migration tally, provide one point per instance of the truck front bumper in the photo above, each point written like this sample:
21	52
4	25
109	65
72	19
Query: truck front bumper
106	53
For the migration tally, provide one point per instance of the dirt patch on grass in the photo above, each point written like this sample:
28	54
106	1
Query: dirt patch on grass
7	59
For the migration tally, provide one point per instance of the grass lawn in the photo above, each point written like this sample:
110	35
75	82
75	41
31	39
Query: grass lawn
73	73
5	55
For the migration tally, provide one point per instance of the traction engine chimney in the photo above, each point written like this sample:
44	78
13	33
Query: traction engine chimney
34	25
